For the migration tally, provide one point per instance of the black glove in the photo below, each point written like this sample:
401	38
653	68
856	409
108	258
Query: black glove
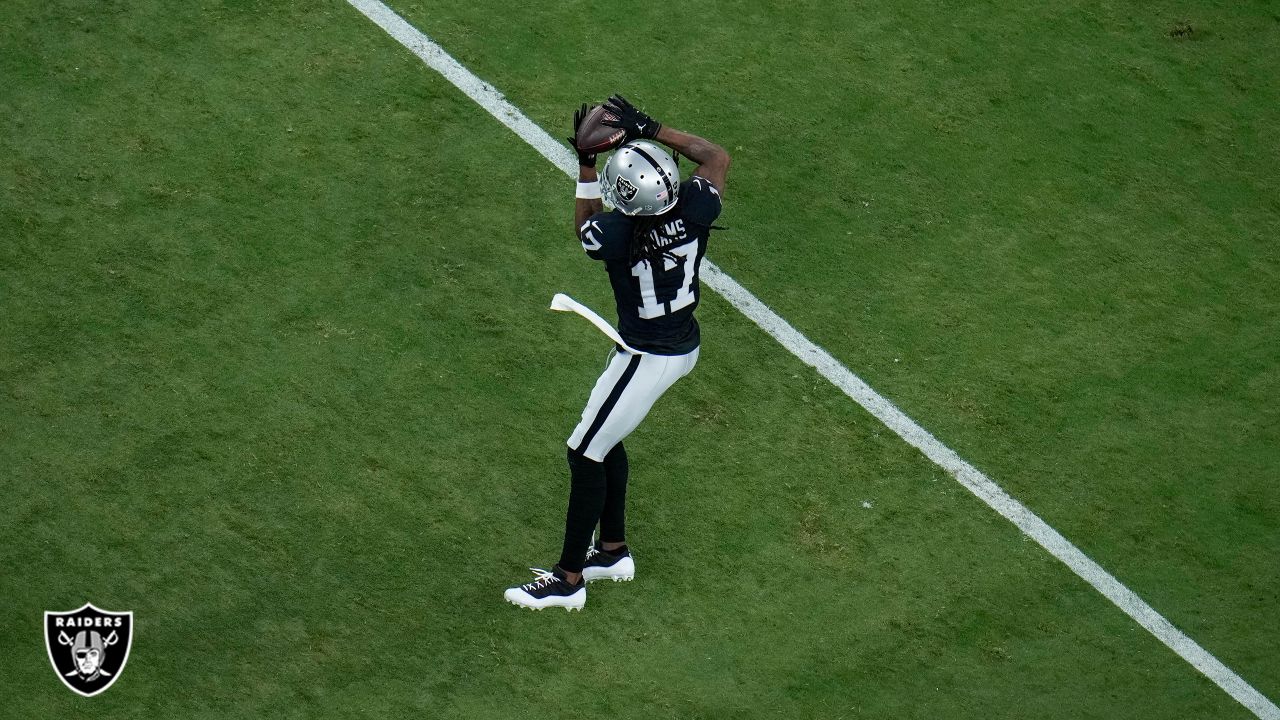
631	119
584	160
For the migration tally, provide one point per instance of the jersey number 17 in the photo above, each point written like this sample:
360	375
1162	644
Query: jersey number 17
652	308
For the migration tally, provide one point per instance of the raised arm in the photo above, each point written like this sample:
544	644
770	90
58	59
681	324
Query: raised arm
583	208
586	201
713	161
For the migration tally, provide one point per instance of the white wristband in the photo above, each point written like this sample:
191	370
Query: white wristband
588	190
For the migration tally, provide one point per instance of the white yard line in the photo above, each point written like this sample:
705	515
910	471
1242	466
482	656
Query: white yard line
853	386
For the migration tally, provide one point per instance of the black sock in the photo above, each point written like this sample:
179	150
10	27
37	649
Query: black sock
586	501
613	517
560	573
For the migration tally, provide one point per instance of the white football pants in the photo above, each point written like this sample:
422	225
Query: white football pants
630	385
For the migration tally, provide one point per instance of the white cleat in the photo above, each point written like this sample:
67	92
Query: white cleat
550	589
602	565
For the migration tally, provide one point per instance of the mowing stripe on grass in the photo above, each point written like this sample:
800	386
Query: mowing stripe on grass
809	353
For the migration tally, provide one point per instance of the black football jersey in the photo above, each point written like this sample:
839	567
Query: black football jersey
656	300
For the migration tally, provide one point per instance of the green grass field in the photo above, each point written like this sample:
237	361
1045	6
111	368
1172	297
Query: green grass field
277	373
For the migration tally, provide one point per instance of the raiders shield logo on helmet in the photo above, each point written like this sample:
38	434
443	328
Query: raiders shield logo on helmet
626	191
88	646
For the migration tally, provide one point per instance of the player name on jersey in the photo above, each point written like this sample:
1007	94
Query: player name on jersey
672	233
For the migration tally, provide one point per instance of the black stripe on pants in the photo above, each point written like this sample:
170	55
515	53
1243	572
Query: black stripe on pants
610	402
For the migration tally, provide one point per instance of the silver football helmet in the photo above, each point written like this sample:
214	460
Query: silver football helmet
640	179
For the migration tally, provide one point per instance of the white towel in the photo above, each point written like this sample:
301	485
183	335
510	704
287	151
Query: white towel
564	303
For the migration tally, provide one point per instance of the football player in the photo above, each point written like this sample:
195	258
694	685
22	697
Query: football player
652	245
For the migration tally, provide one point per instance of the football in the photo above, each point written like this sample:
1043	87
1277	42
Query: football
594	136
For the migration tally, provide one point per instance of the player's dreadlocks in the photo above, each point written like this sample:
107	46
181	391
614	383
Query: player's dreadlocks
646	244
